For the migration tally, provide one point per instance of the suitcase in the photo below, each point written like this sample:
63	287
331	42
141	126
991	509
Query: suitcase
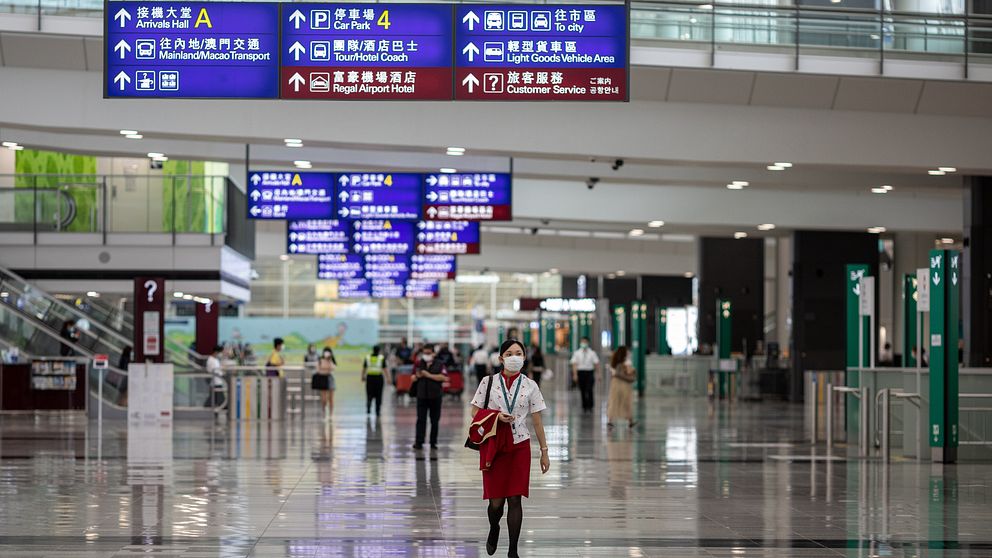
404	383
455	384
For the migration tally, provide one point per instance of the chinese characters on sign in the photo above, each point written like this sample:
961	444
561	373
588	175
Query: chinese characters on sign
318	236
290	195
379	196
448	237
468	197
382	236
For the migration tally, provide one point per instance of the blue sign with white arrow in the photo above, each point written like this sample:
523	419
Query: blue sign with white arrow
340	266
290	195
468	197
318	236
433	266
392	267
448	237
382	236
379	195
192	50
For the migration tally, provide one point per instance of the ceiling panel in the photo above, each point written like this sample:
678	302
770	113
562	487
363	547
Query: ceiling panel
794	90
878	94
94	54
649	84
955	98
43	51
710	86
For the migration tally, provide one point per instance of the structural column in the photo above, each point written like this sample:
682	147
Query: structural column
977	271
945	299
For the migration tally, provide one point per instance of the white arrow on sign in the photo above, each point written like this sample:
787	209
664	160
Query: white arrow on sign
121	78
954	278
255	210
432	212
471	81
344	212
255	179
343	196
122	47
255	194
936	279
421	225
432	180
292	236
343	180
432	196
471	50
421	236
471	19
421	248
296	81
358	248
296	18
296	50
122	15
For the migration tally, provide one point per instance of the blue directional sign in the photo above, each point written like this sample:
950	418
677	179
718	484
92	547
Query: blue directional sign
366	51
318	236
468	197
340	266
382	236
543	52
392	267
354	288
290	195
433	266
191	50
448	237
379	195
416	288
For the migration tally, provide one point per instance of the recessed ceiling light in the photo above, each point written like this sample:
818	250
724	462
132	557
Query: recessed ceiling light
876	230
553	270
783	165
706	7
936	172
187	297
448	170
775	168
10	144
17	148
947	240
741	182
154	154
161	159
733	186
134	136
456	150
611	276
178	294
740	234
766	227
93	294
656	224
621	273
636	232
879	191
888	187
128	132
293	140
284	258
455	153
947	169
303	164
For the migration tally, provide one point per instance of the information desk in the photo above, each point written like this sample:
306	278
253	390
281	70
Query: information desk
43	385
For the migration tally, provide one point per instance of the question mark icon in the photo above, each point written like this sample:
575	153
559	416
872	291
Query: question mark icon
151	286
209	304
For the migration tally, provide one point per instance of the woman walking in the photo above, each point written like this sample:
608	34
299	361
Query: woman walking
323	381
621	401
507	480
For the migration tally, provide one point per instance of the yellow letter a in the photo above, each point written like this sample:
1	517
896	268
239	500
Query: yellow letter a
203	17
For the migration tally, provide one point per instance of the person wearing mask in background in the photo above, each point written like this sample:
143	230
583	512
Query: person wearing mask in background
218	385
507	480
620	404
70	333
275	362
536	365
480	362
584	362
323	381
431	375
311	357
445	355
373	370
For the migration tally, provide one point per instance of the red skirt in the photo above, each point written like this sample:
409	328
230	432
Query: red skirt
509	474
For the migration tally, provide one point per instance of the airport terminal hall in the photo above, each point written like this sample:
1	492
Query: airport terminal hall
513	278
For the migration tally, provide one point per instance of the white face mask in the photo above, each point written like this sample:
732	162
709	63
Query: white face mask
427	358
584	345
327	355
513	363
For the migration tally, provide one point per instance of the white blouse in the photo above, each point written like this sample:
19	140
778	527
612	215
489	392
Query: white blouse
529	400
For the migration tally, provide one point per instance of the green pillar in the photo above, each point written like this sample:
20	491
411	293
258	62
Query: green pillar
585	325
573	331
909	298
502	333
526	333
945	297
724	334
853	312
619	327
661	327
638	340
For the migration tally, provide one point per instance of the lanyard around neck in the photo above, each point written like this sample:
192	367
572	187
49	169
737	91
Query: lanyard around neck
510	404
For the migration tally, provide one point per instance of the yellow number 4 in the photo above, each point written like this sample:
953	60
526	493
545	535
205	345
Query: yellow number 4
384	20
389	180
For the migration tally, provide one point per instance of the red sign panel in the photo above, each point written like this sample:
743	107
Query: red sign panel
365	83
571	84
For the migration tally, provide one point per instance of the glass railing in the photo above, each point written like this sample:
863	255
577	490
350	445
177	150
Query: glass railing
112	203
832	27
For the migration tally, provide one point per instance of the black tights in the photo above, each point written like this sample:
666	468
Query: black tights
514	519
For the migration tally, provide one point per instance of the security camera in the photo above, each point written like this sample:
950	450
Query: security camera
591	182
533	231
545	222
617	164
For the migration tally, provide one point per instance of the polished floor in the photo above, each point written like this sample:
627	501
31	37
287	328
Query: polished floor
693	479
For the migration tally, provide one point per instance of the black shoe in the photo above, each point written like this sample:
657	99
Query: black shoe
493	539
418	446
433	446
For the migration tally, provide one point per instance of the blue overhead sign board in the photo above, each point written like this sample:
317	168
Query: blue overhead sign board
537	53
340	266
366	51
468	197
379	195
382	236
290	195
392	267
191	50
385	288
448	237
433	266
422	289
318	236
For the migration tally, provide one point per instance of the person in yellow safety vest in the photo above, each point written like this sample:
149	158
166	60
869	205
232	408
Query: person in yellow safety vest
273	366
375	375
